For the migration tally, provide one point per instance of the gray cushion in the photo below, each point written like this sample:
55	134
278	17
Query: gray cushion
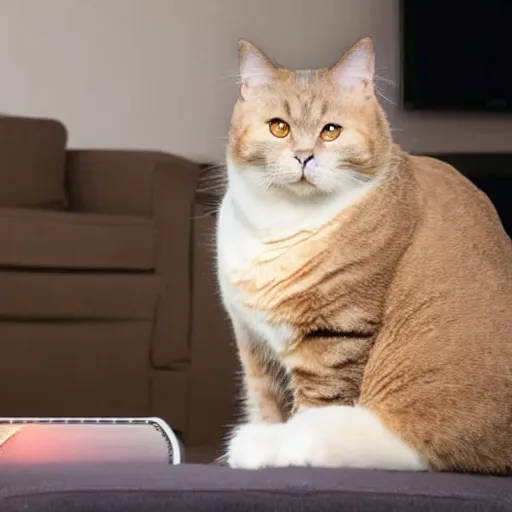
196	488
33	238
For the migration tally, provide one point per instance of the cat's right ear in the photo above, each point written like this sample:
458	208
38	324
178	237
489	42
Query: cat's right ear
255	68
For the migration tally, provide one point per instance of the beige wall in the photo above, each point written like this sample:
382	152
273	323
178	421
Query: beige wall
161	73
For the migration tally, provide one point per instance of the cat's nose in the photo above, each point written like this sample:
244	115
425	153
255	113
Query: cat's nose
303	157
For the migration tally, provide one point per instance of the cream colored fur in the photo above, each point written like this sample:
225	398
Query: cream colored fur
369	290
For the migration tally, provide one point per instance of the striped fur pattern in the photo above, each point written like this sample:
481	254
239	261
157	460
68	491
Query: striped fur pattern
370	291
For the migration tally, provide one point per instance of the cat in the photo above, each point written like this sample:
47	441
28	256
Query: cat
370	291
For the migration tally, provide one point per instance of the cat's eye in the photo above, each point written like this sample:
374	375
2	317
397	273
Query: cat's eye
279	128
330	132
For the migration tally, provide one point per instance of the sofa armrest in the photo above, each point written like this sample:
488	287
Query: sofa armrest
160	187
214	363
213	386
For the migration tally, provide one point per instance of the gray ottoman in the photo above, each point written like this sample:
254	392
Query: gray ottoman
195	488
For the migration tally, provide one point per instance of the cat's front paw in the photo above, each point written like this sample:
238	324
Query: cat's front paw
255	445
318	437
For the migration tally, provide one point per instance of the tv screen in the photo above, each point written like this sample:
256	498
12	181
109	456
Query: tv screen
456	54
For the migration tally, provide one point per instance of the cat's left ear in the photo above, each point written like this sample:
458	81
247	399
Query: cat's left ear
356	69
255	68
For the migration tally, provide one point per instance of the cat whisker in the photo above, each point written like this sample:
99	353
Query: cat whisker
265	182
230	77
382	95
212	183
385	80
204	216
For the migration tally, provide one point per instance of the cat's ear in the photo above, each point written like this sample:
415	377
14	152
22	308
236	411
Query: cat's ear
357	66
255	67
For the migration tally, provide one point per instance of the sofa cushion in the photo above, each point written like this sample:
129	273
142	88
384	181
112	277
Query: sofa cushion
191	488
32	162
78	296
64	240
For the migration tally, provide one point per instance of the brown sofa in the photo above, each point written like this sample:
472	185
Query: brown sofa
108	302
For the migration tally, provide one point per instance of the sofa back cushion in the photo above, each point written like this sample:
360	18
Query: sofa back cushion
32	161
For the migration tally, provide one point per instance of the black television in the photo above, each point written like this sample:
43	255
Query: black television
456	55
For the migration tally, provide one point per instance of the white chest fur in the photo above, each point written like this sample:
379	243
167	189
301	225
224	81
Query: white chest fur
246	222
237	247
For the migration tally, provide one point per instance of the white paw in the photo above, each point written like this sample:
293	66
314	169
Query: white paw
303	444
255	445
342	436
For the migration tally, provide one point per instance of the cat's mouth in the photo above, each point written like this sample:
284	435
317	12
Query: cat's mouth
303	180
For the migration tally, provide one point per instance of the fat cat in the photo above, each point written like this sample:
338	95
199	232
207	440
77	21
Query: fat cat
370	291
